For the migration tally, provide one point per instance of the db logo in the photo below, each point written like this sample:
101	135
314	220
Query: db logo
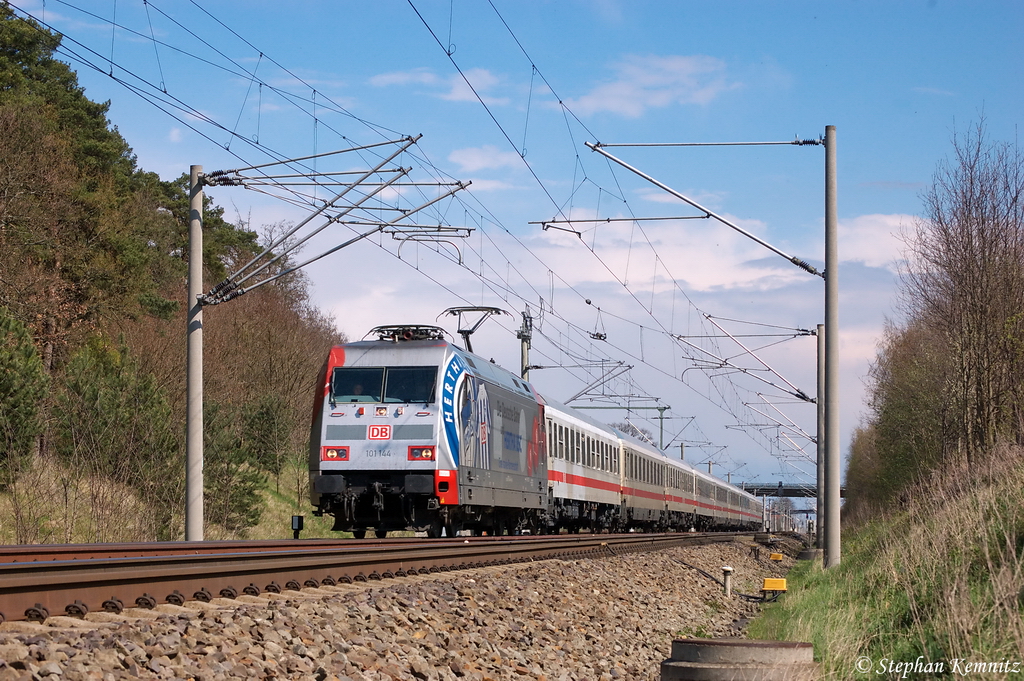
379	433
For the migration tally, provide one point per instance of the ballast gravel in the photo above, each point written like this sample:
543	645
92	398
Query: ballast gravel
599	619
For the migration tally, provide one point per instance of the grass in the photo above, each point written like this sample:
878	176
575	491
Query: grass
942	579
50	503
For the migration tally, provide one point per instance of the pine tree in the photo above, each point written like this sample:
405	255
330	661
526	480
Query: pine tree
23	385
114	421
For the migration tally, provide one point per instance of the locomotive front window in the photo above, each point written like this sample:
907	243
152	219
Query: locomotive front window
410	384
357	384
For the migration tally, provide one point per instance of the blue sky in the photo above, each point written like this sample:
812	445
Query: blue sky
897	79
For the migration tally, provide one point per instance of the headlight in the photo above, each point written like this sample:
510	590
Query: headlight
421	453
334	453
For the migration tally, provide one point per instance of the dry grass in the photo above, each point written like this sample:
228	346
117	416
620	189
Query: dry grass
942	578
50	503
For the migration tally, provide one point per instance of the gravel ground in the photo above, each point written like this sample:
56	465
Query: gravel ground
597	619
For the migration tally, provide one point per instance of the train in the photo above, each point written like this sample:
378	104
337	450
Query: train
412	432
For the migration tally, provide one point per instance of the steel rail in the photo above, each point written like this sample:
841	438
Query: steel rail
76	580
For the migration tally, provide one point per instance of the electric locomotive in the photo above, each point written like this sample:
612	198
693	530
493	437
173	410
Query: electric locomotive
411	432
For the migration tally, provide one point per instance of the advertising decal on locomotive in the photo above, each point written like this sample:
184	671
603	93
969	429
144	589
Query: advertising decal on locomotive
453	373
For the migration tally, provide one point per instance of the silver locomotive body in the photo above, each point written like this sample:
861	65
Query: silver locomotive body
411	432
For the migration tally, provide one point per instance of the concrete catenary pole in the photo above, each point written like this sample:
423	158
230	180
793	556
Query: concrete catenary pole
819	525
194	389
832	456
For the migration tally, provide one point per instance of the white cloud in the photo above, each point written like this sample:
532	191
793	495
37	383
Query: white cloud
699	255
488	157
644	82
873	239
458	90
707	199
482	81
174	135
419	76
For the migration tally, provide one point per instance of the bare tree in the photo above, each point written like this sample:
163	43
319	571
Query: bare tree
948	386
966	282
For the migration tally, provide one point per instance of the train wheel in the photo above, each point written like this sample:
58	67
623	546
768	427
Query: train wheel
434	531
359	534
380	534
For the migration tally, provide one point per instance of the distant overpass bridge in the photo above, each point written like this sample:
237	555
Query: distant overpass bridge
767	489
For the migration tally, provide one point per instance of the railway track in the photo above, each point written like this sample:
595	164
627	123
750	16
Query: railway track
37	582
